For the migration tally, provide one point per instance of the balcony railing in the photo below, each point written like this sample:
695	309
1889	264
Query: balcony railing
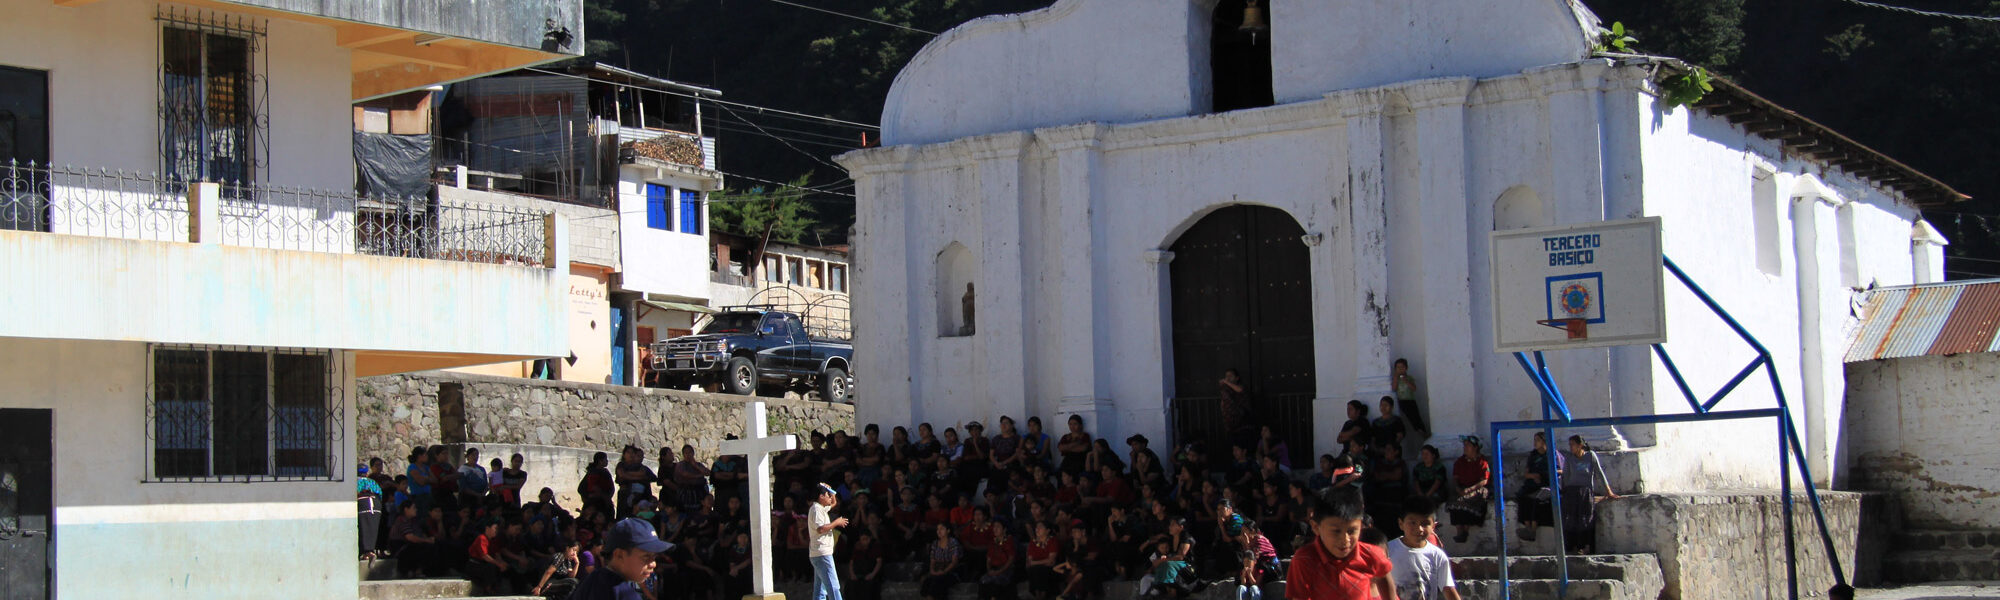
126	205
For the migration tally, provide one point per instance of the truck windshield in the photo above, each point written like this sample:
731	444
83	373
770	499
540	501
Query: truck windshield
733	323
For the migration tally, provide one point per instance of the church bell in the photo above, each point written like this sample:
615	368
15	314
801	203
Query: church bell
1253	20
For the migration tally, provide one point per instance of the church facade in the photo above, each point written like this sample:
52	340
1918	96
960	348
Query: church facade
1139	195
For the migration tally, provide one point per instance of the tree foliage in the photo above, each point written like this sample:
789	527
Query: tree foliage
782	208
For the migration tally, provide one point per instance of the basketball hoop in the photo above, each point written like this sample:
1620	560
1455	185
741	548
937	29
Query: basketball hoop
1578	329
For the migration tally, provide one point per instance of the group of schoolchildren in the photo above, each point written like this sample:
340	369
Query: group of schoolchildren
1062	514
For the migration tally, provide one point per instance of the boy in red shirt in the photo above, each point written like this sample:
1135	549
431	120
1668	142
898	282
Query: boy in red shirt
1335	565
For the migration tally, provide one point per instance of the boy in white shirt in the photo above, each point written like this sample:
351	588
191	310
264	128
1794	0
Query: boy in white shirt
1419	567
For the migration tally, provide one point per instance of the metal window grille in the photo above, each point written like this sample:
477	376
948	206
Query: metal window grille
244	414
213	92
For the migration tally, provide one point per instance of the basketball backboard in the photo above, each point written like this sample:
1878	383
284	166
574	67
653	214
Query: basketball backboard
1608	275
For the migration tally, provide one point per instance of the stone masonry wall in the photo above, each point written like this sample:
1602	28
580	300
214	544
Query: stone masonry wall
501	414
1732	545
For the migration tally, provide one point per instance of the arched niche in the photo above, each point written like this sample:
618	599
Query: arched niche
1517	208
956	292
1239	59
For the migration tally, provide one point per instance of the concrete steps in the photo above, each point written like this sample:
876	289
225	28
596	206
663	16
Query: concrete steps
1593	577
377	569
1922	556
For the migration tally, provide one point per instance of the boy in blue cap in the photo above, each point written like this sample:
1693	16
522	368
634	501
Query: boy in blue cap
630	549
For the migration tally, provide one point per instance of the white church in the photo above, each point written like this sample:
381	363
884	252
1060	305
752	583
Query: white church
1139	194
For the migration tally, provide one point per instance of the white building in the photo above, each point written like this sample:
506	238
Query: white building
1128	242
190	303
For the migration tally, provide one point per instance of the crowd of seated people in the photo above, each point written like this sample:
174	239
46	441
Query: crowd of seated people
1060	512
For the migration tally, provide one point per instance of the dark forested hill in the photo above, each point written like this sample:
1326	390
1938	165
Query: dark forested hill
1916	87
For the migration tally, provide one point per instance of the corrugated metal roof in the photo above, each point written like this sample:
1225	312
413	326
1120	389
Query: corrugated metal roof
1929	319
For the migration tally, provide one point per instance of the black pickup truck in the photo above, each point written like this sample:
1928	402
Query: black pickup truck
748	350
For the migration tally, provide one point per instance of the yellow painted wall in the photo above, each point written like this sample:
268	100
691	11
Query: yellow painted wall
589	325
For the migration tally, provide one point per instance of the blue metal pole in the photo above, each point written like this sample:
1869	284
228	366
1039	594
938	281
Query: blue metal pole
1550	395
1761	360
1714	307
1500	504
1785	493
1812	495
1679	381
1555	391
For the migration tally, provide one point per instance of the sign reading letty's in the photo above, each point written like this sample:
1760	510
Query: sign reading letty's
1572	250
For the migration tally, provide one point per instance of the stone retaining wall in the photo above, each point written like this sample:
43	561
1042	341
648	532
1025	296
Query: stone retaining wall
398	412
1732	545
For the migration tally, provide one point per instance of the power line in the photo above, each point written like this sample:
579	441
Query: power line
717	101
760	129
1913	11
857	18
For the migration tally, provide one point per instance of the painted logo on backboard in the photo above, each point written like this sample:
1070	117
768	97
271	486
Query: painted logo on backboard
1577	296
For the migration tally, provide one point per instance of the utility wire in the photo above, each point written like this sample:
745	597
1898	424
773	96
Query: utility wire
855	17
717	101
760	129
1907	10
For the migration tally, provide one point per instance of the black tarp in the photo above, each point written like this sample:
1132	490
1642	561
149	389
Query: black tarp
393	166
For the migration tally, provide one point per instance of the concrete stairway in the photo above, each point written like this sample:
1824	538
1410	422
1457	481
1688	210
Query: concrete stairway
378	582
1594	577
1921	556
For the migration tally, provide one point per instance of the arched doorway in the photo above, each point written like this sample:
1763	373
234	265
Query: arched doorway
1241	285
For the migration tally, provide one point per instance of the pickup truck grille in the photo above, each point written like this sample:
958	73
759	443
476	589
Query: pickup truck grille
686	354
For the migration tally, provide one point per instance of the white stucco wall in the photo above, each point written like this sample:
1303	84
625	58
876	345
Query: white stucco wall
103	61
170	540
663	262
1922	427
1804	314
1016	72
88	288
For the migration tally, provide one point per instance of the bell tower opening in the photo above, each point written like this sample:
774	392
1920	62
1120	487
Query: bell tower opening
1239	52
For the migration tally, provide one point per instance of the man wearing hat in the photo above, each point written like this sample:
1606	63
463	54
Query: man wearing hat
630	549
826	585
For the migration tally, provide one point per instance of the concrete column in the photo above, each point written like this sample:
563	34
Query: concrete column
1926	253
1158	299
1003	300
1577	195
887	330
1447	376
1078	149
1368	218
1822	303
204	212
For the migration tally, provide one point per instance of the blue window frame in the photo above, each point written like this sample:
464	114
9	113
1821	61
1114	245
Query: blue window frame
656	207
691	212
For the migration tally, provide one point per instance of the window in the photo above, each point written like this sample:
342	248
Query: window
691	212
211	118
656	207
772	272
236	414
837	278
1239	57
1764	221
795	271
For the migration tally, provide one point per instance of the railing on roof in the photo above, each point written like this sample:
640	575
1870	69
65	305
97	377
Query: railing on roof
129	205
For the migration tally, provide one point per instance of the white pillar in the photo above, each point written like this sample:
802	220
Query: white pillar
1821	299
1926	253
885	328
1004	304
1577	195
1078	149
1447	376
1368	283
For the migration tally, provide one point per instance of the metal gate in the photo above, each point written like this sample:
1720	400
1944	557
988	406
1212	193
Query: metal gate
1242	298
26	454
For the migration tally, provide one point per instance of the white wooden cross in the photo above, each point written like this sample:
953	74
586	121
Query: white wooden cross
757	448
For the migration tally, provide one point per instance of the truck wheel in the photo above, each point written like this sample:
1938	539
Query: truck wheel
834	386
740	376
